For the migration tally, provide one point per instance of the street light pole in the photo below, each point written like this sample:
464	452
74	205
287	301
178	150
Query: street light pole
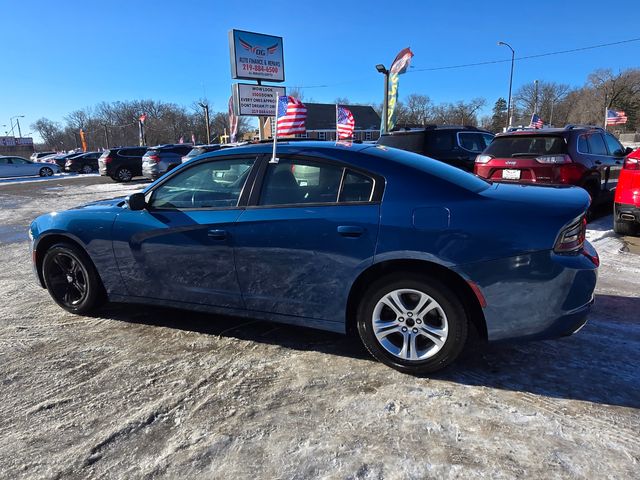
513	56
17	117
385	102
205	107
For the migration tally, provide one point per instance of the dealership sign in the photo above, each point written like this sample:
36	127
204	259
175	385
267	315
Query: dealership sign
256	100
255	56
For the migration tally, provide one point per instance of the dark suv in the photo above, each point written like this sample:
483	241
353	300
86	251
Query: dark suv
586	156
122	163
159	160
455	145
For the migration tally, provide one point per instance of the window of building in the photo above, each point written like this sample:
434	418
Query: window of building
322	135
367	135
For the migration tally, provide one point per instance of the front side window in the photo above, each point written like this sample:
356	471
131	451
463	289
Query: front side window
615	148
215	184
596	144
18	161
298	182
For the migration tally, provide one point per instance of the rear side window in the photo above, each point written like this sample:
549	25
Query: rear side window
411	142
356	188
474	141
441	141
583	146
596	144
526	145
298	182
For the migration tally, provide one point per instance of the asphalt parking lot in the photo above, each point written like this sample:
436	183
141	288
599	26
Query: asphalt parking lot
149	392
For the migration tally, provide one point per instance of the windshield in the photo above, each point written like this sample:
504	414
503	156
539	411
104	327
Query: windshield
526	145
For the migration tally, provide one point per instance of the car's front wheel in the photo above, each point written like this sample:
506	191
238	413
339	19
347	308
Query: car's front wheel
412	323
46	171
71	278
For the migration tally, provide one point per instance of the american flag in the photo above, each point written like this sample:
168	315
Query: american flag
292	114
616	117
536	121
346	123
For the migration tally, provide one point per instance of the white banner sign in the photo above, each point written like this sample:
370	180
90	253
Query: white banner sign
256	100
255	56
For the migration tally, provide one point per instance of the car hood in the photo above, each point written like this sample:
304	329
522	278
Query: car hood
102	204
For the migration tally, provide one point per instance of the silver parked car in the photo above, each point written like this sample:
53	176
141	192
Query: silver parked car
21	167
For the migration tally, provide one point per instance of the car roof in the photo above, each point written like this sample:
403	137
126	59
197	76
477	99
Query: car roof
429	128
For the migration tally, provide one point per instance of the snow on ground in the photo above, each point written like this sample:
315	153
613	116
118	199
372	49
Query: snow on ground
135	392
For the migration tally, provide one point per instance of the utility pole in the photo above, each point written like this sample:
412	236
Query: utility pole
535	106
385	102
509	111
205	107
19	131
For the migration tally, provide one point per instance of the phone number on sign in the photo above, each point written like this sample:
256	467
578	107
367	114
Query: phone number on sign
259	68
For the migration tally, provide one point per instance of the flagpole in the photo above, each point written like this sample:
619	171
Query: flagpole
337	135
275	132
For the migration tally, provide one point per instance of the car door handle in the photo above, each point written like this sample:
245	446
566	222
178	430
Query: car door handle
598	162
217	234
350	231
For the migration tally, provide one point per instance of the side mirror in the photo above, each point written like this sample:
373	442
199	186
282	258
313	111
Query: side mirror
136	201
628	150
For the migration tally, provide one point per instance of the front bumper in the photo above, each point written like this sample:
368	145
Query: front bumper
537	295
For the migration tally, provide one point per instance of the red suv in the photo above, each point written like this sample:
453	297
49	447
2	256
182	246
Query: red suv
585	156
626	207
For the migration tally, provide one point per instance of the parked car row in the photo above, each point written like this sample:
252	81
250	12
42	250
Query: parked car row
124	163
581	155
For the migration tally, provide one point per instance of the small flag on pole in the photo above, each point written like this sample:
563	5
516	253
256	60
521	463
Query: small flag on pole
143	117
345	123
536	122
181	139
291	116
193	138
616	117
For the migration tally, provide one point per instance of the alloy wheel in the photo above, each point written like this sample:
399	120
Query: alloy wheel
410	324
68	280
87	169
46	172
124	175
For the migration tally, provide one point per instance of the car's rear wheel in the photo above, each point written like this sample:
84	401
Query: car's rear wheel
86	169
71	278
123	174
412	323
46	171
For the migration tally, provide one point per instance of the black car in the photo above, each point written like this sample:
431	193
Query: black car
455	145
121	163
84	163
199	150
61	159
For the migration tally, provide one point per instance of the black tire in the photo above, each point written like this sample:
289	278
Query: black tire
123	174
71	279
449	315
86	169
46	172
621	227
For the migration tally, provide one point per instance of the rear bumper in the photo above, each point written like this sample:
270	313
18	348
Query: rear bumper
627	213
151	171
536	296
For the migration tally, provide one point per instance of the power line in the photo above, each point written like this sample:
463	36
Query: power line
526	57
489	62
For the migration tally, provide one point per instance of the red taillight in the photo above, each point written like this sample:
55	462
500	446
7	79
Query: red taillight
631	164
571	238
107	160
154	158
569	173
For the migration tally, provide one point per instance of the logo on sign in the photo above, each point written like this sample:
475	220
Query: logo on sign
258	50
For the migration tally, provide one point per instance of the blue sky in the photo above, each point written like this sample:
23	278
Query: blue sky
65	55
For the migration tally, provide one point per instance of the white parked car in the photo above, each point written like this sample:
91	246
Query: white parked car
21	167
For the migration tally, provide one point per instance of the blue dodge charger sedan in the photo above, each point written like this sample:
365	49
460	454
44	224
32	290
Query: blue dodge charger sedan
404	251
